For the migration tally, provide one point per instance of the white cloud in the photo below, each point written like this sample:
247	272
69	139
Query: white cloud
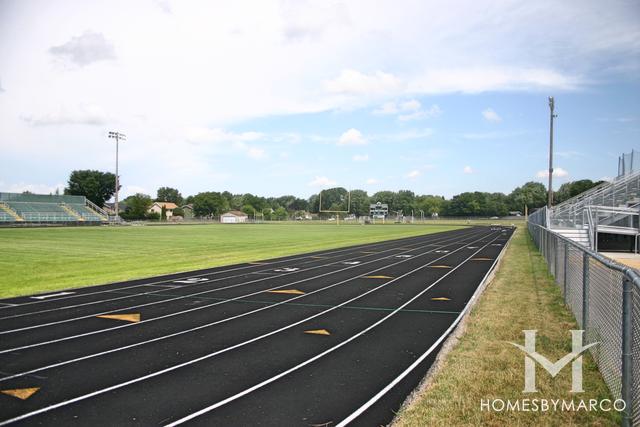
256	153
434	111
322	181
557	173
217	135
491	116
360	158
80	115
352	137
413	174
407	110
372	181
352	82
468	170
85	49
504	78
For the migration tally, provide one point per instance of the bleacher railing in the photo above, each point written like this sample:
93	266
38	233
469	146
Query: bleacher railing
604	296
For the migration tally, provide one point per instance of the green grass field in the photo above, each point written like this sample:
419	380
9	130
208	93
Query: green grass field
46	259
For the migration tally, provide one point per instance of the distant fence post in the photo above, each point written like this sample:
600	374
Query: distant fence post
627	339
585	293
564	271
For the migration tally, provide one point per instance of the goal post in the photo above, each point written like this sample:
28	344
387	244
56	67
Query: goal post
335	211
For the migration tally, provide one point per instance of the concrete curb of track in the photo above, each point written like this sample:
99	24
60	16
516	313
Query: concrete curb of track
454	337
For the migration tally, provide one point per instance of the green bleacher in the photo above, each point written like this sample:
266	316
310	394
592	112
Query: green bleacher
5	217
85	212
39	208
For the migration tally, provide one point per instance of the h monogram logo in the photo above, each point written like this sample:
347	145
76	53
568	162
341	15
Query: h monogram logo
531	357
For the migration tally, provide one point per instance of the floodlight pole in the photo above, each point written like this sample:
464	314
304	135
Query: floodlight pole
117	136
550	191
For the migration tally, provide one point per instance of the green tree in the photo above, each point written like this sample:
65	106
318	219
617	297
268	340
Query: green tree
430	204
531	194
96	186
572	189
209	204
168	194
249	210
281	214
359	202
137	207
163	213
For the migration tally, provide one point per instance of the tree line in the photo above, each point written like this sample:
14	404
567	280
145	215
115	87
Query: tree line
100	186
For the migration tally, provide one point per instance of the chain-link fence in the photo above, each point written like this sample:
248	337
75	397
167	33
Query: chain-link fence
605	299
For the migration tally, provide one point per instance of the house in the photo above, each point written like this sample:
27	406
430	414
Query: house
156	207
233	217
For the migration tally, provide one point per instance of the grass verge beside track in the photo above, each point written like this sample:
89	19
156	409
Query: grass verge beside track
46	259
483	365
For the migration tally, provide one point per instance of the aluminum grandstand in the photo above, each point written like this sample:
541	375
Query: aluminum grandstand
18	208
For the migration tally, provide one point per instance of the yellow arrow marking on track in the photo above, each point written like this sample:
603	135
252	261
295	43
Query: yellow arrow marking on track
21	393
439	266
287	291
318	332
133	317
377	277
481	259
440	299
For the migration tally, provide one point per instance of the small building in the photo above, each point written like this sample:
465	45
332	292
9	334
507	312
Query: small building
156	207
233	217
379	210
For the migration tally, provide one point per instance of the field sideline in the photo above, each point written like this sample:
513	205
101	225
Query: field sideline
46	259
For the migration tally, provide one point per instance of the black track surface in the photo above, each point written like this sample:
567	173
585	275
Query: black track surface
226	351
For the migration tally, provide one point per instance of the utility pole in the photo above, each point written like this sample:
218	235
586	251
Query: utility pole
117	136
550	193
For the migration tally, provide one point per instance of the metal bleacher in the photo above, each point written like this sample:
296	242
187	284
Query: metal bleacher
611	208
39	208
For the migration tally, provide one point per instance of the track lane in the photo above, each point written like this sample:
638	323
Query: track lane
196	322
94	325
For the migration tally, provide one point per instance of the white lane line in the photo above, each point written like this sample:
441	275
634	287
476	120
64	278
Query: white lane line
424	355
208	356
8	305
56	365
41	325
210	274
285	259
185	311
313	359
59	294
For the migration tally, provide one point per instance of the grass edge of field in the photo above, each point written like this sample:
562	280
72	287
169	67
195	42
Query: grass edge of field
80	281
479	363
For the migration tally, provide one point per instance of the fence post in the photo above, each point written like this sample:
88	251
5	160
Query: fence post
627	339
564	270
585	293
555	259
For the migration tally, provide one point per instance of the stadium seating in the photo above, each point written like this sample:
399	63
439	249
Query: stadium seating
37	208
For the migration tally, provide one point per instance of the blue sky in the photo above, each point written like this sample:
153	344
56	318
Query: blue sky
288	97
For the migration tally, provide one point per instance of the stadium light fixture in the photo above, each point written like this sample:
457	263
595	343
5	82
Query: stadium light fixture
550	191
118	137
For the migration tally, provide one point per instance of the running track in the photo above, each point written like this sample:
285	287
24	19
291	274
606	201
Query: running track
220	347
